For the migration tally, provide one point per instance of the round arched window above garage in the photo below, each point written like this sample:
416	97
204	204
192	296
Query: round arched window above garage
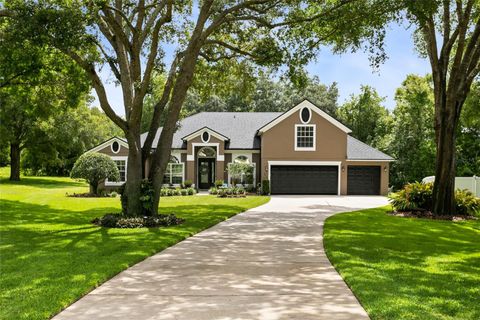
205	136
115	147
305	115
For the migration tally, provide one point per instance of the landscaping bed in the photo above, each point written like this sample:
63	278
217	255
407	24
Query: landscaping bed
118	220
426	214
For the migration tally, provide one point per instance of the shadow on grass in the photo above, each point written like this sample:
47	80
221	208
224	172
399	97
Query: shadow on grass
407	268
47	182
51	257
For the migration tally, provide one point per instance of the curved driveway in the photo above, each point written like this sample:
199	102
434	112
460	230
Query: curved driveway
266	263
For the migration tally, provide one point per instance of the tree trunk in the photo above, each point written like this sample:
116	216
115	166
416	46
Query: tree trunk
133	185
94	188
444	185
15	151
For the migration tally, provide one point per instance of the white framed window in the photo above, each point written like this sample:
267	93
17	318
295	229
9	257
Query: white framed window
244	179
174	172
305	137
305	115
122	164
115	147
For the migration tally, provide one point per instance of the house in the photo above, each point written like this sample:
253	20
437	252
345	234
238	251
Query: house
301	151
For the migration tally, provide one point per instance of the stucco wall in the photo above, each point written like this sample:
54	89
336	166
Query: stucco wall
278	143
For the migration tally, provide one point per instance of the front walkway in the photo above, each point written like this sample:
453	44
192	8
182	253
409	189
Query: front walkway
266	263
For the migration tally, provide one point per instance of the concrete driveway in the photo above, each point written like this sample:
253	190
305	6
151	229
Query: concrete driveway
266	263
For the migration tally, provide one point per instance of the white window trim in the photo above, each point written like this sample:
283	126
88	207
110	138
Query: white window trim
119	147
314	137
307	163
201	136
309	117
254	173
116	184
183	175
191	157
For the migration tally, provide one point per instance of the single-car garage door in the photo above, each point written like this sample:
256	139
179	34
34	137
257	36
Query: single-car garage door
363	180
304	179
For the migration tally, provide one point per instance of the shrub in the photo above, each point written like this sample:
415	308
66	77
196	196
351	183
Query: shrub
413	196
218	183
466	203
184	192
191	191
265	187
113	194
213	190
187	183
250	189
95	168
147	197
418	196
221	193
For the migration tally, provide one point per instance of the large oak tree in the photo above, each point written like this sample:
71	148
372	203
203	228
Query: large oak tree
133	38
450	33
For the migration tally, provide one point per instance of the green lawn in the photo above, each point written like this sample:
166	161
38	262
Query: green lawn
51	255
403	268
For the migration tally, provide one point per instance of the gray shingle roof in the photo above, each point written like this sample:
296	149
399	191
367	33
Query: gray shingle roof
241	129
357	150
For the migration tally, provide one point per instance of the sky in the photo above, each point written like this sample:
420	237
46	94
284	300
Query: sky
349	70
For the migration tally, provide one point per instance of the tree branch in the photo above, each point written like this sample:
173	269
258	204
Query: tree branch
99	89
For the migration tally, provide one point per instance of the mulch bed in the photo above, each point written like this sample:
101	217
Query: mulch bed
117	220
87	195
425	214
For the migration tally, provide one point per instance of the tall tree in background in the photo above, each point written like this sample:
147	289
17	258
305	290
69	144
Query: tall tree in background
34	83
131	36
412	143
63	137
262	94
365	115
449	31
468	133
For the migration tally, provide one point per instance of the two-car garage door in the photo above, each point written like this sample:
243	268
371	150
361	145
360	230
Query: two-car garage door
323	179
304	179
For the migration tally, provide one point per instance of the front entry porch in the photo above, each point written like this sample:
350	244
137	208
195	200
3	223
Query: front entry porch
206	173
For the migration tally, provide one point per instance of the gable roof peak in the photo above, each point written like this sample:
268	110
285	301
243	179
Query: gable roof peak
305	103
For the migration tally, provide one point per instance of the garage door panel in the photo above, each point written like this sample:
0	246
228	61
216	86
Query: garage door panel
304	179
363	180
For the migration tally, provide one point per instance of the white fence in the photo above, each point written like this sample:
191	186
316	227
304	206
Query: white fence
470	183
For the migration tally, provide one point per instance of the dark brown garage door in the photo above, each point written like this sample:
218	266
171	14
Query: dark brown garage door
363	180
304	179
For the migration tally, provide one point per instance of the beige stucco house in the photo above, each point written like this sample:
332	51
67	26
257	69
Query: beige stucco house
301	151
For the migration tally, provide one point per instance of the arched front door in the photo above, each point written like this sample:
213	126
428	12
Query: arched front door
206	167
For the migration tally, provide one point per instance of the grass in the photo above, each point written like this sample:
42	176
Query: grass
401	268
52	255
